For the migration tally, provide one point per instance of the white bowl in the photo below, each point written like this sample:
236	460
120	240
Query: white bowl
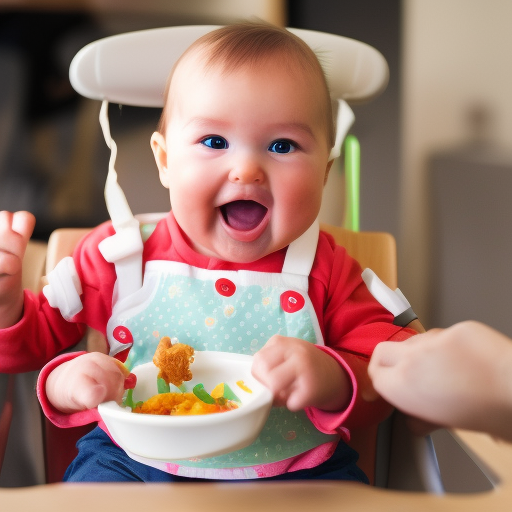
170	438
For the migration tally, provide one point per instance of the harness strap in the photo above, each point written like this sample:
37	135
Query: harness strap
124	249
301	252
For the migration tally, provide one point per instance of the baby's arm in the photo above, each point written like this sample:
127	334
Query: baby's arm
300	375
86	381
15	231
457	377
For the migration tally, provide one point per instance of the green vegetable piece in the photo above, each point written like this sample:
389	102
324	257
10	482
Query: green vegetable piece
229	394
128	400
202	394
162	386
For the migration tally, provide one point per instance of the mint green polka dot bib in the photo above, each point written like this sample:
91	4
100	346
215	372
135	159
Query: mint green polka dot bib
229	311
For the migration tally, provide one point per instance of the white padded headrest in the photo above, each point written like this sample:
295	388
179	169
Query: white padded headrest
132	68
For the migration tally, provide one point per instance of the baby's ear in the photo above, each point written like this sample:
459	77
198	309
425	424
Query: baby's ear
159	148
327	170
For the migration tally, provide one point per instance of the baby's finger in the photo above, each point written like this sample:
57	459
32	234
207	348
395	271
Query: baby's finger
10	264
15	231
265	361
109	388
6	233
107	372
90	395
280	378
23	223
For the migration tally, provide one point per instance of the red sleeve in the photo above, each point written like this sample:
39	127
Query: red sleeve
37	337
42	333
353	323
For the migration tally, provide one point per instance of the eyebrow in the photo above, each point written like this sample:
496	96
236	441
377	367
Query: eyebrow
297	126
301	127
206	121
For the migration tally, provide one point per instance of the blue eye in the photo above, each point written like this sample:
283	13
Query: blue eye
281	146
215	142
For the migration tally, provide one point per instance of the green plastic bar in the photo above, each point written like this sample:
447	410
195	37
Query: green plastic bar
352	170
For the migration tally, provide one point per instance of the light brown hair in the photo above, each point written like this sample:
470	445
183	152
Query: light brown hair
252	43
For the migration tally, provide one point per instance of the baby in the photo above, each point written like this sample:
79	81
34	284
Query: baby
238	265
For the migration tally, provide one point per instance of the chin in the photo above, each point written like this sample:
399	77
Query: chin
244	252
242	256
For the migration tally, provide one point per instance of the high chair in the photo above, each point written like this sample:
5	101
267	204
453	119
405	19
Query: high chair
118	69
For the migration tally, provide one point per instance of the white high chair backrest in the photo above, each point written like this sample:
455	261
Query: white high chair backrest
132	68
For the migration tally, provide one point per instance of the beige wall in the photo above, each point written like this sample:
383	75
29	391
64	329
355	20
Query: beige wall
456	53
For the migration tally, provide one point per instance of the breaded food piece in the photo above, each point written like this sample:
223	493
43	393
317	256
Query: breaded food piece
173	361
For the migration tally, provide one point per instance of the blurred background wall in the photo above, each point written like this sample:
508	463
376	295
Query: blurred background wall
436	146
456	160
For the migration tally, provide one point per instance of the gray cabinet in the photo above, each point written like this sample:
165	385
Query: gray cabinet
471	207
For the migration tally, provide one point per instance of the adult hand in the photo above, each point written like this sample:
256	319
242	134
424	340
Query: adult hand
457	377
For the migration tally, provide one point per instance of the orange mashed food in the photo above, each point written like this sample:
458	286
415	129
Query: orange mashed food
182	404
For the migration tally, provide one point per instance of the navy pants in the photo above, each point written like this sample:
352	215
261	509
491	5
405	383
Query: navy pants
100	460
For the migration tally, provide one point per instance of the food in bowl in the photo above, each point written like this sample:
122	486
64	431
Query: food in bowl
182	404
173	360
152	438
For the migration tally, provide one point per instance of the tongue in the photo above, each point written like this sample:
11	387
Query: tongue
243	215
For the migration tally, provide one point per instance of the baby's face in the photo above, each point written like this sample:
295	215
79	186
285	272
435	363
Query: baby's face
245	157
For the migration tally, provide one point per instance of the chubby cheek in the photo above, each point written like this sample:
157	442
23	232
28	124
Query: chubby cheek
192	204
299	200
188	185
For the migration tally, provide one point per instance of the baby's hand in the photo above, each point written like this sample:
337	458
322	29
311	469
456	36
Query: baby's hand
15	231
300	375
85	382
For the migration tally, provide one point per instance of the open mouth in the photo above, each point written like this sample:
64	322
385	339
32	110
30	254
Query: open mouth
243	215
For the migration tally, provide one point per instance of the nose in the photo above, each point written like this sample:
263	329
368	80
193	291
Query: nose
247	169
